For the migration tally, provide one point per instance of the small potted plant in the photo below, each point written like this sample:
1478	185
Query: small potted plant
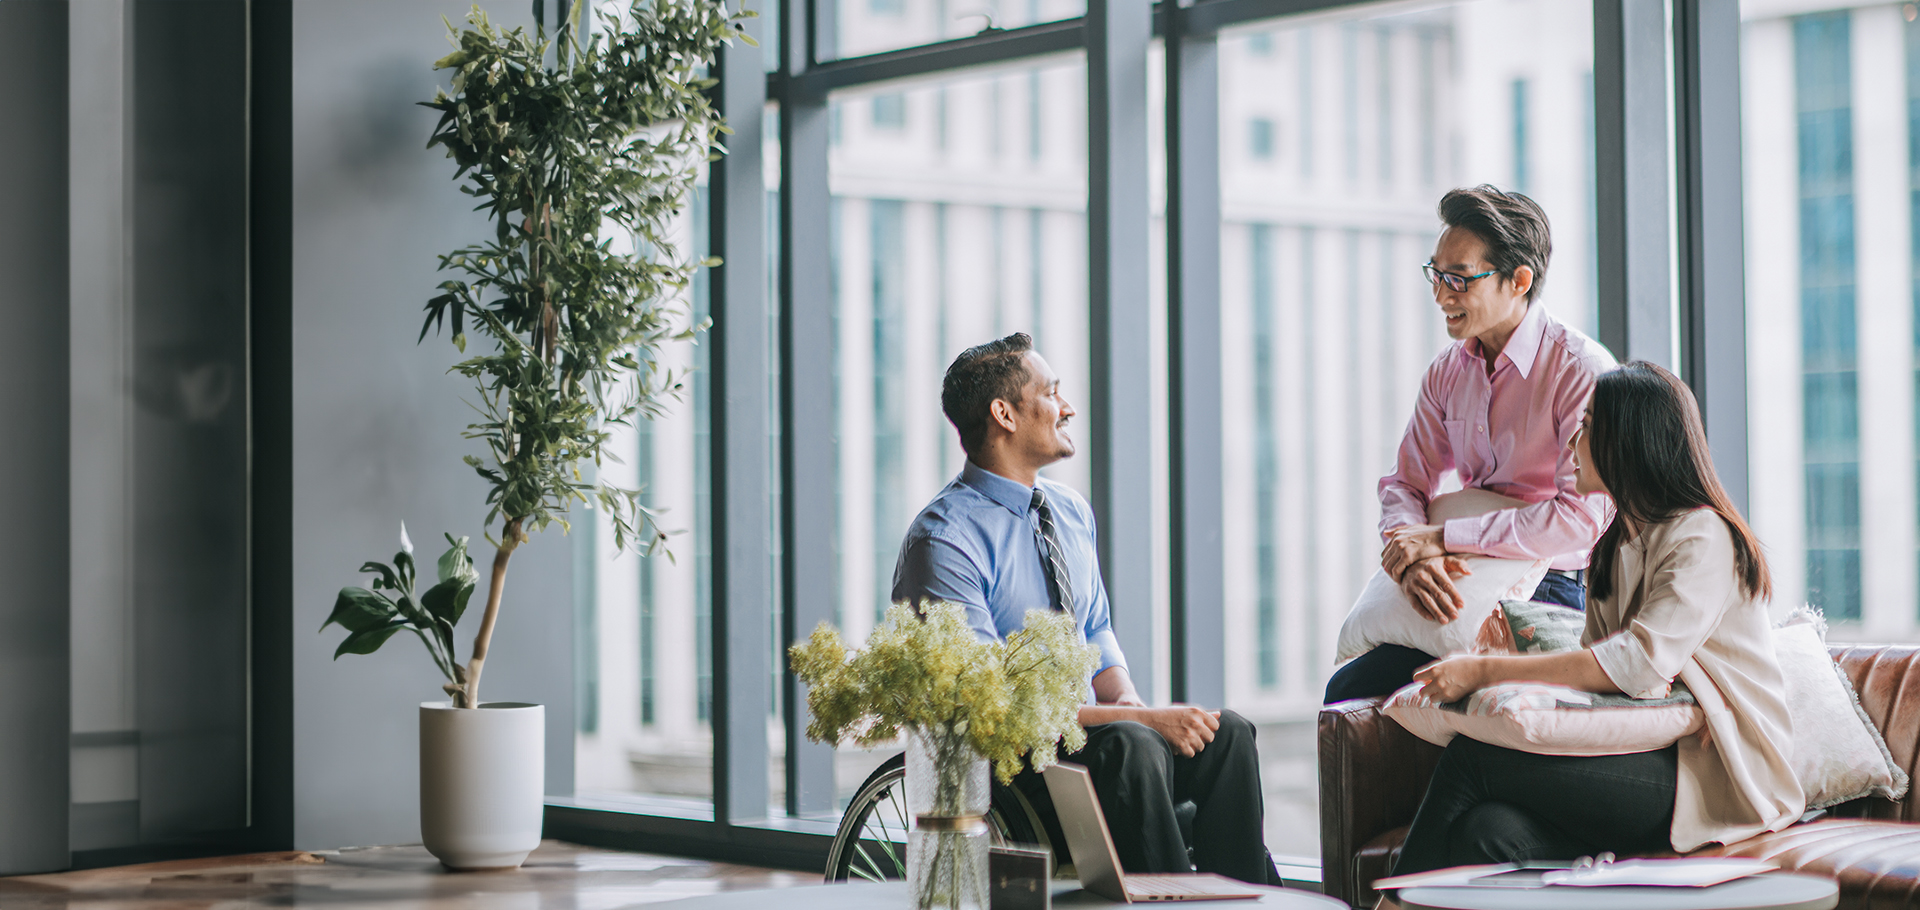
965	704
563	140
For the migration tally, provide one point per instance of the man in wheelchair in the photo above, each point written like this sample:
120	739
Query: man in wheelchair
1001	540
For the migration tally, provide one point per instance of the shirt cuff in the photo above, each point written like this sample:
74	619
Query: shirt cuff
1626	661
1462	535
1110	653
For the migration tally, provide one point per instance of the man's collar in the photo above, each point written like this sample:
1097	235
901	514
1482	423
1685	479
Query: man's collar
1524	346
1014	495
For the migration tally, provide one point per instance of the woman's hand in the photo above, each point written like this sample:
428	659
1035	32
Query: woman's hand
1452	678
1455	677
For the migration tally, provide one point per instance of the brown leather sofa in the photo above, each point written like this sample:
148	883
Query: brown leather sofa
1373	774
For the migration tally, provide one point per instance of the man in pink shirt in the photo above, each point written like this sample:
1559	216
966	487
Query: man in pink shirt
1498	407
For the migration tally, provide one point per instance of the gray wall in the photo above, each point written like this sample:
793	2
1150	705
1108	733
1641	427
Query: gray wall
377	421
34	612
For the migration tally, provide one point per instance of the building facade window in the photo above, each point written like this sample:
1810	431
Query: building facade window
1522	179
1266	465
1260	138
889	112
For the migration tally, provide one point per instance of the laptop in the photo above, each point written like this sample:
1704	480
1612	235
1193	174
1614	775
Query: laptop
1099	864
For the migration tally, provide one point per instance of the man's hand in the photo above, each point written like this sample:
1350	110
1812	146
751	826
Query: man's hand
1428	584
1409	544
1452	678
1186	728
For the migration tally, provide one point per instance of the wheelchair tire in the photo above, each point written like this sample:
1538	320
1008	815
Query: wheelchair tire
871	843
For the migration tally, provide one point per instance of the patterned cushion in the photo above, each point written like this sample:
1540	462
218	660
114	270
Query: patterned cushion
1541	627
1550	720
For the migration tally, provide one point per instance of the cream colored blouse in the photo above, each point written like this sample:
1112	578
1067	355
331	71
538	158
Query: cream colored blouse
1678	611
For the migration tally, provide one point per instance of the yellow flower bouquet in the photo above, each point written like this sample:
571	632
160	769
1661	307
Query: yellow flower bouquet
965	702
930	671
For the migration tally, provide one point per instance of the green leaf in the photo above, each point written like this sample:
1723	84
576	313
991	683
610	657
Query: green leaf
447	600
455	562
403	563
358	609
451	60
369	641
387	579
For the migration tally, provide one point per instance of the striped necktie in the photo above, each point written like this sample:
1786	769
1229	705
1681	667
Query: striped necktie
1059	583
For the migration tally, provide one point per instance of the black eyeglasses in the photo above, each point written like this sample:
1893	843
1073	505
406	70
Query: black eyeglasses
1458	283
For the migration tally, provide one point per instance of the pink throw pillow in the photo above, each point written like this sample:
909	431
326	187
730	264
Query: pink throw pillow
1550	720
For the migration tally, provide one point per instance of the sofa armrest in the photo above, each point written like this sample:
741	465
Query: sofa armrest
1373	774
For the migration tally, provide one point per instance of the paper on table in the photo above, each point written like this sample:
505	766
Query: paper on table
1454	877
1675	873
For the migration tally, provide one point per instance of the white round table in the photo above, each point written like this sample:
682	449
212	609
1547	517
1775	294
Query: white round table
1771	891
893	896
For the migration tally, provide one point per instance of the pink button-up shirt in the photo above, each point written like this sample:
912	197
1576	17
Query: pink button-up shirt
1506	433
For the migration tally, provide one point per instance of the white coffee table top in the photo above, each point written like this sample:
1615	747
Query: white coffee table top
1772	891
893	896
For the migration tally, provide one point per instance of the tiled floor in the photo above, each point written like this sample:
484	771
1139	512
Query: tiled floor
558	875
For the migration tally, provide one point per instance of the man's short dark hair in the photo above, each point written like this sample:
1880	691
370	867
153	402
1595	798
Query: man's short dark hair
982	373
1513	226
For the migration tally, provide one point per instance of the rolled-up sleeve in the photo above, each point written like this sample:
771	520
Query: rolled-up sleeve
932	569
1099	628
1567	523
1686	596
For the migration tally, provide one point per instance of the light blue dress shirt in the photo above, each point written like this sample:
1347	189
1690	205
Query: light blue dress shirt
975	545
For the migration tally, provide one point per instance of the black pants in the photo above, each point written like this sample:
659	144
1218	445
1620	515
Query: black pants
1140	779
1383	670
1487	804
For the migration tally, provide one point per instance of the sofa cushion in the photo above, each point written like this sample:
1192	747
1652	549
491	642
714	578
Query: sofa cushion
1837	753
1876	863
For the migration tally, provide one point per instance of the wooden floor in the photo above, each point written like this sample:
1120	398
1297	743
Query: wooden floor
558	875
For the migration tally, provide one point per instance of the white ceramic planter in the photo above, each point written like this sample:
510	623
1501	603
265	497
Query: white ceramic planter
482	783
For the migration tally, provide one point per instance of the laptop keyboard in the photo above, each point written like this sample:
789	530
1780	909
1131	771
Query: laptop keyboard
1171	885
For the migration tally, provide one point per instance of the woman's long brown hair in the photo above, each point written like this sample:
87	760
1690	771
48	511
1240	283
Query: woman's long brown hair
1649	447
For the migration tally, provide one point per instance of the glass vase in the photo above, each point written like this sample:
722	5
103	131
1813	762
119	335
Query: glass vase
948	795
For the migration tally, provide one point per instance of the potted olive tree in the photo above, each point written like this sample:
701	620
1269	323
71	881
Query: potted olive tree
564	141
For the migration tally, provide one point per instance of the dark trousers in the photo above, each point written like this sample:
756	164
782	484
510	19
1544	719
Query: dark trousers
1140	779
1487	804
1383	670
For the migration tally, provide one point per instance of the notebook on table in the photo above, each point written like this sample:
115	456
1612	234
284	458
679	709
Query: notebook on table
1099	864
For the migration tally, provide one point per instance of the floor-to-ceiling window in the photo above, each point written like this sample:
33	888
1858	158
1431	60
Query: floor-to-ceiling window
1828	109
1339	137
958	217
958	207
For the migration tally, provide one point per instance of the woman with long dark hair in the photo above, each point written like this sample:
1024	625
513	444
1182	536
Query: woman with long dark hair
1678	590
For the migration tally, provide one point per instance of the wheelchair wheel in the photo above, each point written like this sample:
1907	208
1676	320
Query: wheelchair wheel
872	841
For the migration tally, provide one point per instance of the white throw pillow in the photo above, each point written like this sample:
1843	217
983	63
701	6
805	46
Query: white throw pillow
1549	720
1383	616
1837	753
